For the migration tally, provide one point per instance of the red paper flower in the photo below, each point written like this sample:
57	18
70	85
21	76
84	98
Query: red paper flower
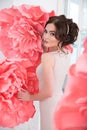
21	29
13	77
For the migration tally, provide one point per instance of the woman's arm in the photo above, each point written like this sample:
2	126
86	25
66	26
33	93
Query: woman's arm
48	81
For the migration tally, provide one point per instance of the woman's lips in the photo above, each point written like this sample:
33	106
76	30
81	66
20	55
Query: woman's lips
45	42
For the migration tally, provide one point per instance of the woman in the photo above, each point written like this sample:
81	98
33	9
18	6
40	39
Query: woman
59	33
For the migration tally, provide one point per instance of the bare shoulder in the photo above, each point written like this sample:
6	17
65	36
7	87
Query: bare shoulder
47	58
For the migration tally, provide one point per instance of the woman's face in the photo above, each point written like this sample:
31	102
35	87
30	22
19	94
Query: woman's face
49	39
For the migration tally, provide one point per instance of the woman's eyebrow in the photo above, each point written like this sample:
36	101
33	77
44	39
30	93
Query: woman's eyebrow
53	31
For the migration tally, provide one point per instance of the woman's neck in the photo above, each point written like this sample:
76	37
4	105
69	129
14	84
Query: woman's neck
50	49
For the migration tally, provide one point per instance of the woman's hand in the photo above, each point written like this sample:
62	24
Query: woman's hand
24	95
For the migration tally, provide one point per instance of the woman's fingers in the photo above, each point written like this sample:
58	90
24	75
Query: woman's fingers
23	95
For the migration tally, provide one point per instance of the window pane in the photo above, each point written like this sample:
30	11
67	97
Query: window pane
77	9
83	36
84	19
73	9
73	56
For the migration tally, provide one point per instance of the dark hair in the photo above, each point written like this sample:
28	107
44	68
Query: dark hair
66	29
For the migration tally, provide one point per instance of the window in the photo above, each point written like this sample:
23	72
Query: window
77	9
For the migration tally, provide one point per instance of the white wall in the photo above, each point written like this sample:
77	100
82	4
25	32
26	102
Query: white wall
60	7
5	3
56	5
46	4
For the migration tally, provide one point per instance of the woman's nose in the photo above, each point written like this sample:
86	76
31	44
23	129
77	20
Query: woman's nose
46	36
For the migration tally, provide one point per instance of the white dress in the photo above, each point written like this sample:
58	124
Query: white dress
47	107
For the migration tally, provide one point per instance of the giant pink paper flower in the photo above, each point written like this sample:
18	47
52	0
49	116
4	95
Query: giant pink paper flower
21	29
13	77
71	111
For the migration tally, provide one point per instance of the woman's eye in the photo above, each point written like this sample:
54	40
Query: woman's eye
52	34
45	31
